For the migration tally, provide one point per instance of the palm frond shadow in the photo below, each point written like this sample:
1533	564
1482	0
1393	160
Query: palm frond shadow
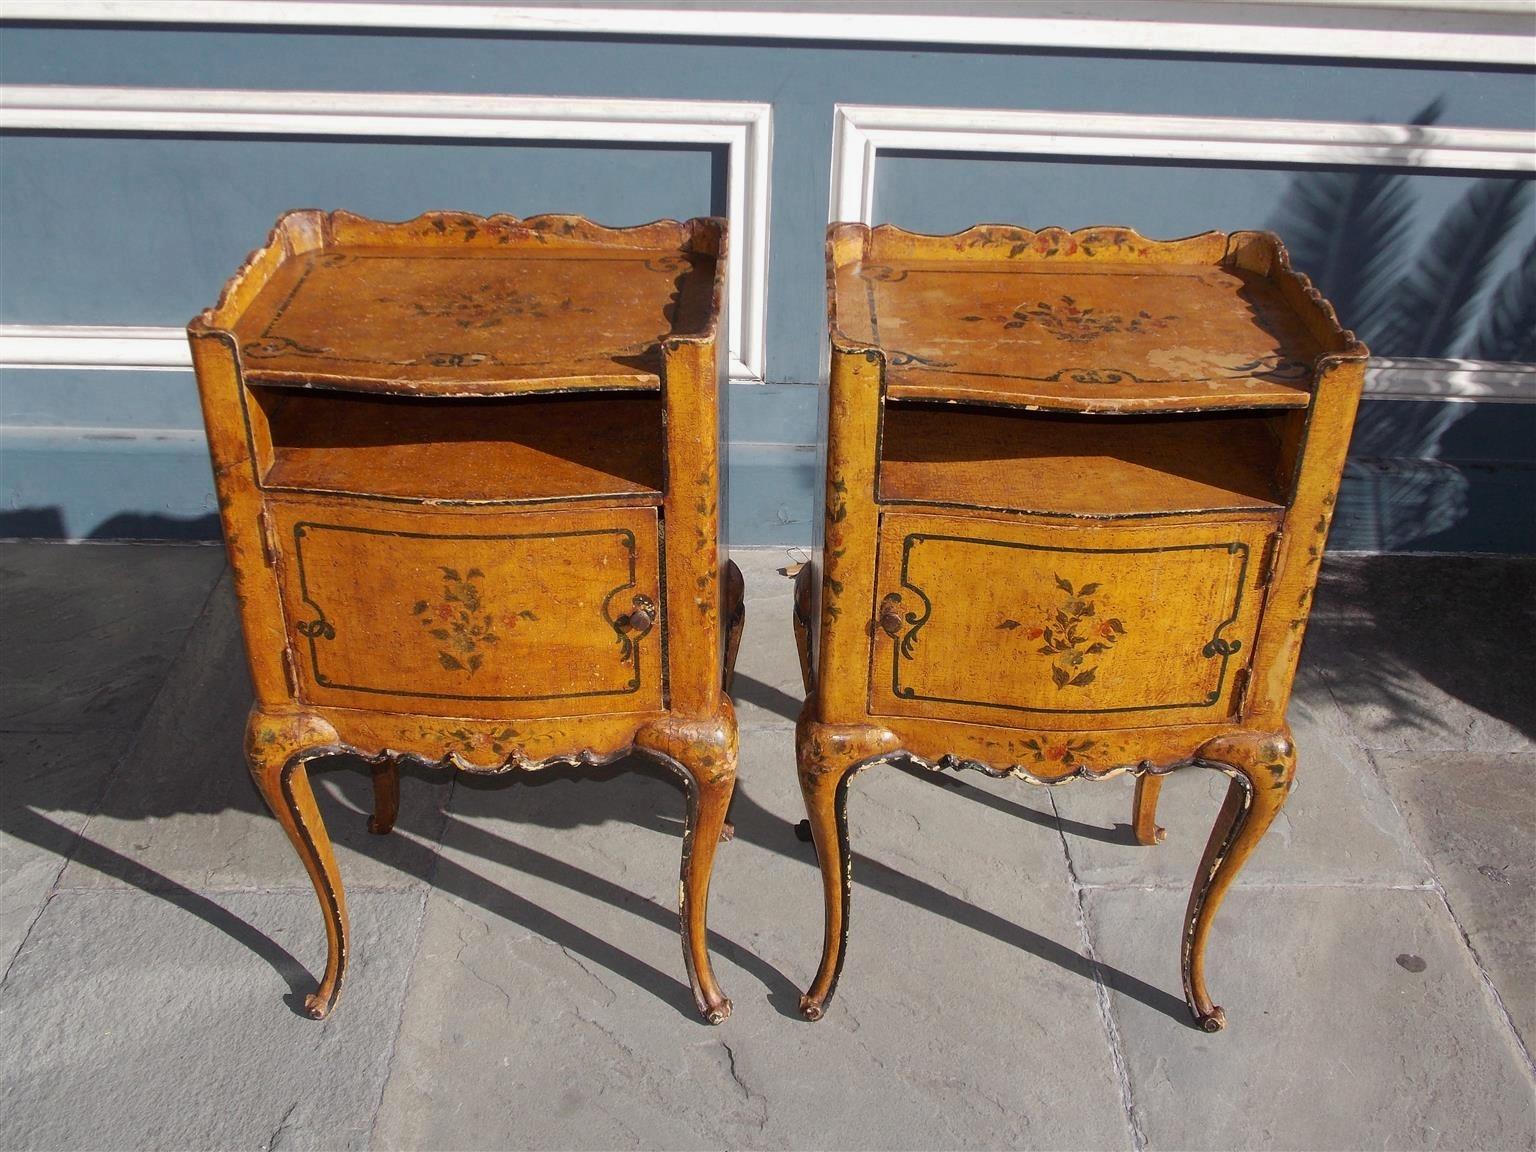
1351	230
1508	331
1346	229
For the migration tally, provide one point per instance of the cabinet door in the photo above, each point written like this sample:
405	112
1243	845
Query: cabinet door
463	614
1051	626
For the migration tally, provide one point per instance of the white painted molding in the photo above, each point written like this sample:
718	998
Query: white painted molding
1458	381
81	348
860	132
92	348
1489	32
745	129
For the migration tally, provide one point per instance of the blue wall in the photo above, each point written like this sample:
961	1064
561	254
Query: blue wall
103	229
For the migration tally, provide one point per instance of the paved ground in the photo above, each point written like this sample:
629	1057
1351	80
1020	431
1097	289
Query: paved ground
1012	977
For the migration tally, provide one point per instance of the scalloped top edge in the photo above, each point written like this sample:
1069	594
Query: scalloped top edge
302	230
1104	241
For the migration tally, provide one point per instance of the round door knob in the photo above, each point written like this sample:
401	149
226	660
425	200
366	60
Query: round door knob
890	618
641	619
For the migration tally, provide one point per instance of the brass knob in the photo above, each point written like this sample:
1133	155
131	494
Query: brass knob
641	619
890	619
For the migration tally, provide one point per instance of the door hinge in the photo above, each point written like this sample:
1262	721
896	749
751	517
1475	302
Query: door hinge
290	671
268	538
1240	684
1267	560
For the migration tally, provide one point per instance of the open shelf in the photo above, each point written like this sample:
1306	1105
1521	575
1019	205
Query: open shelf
588	446
1074	465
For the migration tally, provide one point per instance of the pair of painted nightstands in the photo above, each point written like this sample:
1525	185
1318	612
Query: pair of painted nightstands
1077	490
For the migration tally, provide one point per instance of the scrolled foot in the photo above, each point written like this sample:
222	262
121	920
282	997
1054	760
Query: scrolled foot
717	1013
812	1010
1213	1021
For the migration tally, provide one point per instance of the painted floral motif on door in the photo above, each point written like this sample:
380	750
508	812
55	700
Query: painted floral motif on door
1072	635
457	620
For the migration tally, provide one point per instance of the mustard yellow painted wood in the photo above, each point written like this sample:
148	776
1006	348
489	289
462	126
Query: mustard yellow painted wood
1077	489
444	452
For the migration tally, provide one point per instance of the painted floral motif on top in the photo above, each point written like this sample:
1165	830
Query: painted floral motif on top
1066	320
458	621
486	306
1072	635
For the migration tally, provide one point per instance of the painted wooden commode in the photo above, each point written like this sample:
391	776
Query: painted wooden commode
1077	490
469	477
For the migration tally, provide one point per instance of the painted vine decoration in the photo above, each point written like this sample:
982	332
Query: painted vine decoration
704	507
1067	751
501	742
631	626
458	621
1072	635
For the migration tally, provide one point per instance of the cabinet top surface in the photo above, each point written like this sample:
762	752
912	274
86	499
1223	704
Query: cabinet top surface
1101	319
456	305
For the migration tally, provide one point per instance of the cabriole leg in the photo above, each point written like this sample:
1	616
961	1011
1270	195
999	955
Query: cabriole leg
386	798
1144	810
705	754
828	758
1263	767
278	746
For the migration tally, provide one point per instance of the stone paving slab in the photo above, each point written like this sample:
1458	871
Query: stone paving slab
548	1007
90	631
1356	1020
1430	653
141	1021
1339	825
1475	815
182	809
768	691
49	783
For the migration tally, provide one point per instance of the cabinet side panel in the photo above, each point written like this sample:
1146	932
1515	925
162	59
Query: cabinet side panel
1303	537
848	535
250	556
691	509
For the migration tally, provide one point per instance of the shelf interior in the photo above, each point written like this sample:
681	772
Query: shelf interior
1061	464
484	450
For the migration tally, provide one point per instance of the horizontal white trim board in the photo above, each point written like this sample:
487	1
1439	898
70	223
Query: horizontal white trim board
93	347
745	129
860	132
1493	32
81	348
1450	380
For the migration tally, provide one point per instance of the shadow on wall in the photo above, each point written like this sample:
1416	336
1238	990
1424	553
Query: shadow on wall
1353	230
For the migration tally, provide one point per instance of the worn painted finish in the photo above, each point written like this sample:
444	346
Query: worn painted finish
1050	628
528	613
